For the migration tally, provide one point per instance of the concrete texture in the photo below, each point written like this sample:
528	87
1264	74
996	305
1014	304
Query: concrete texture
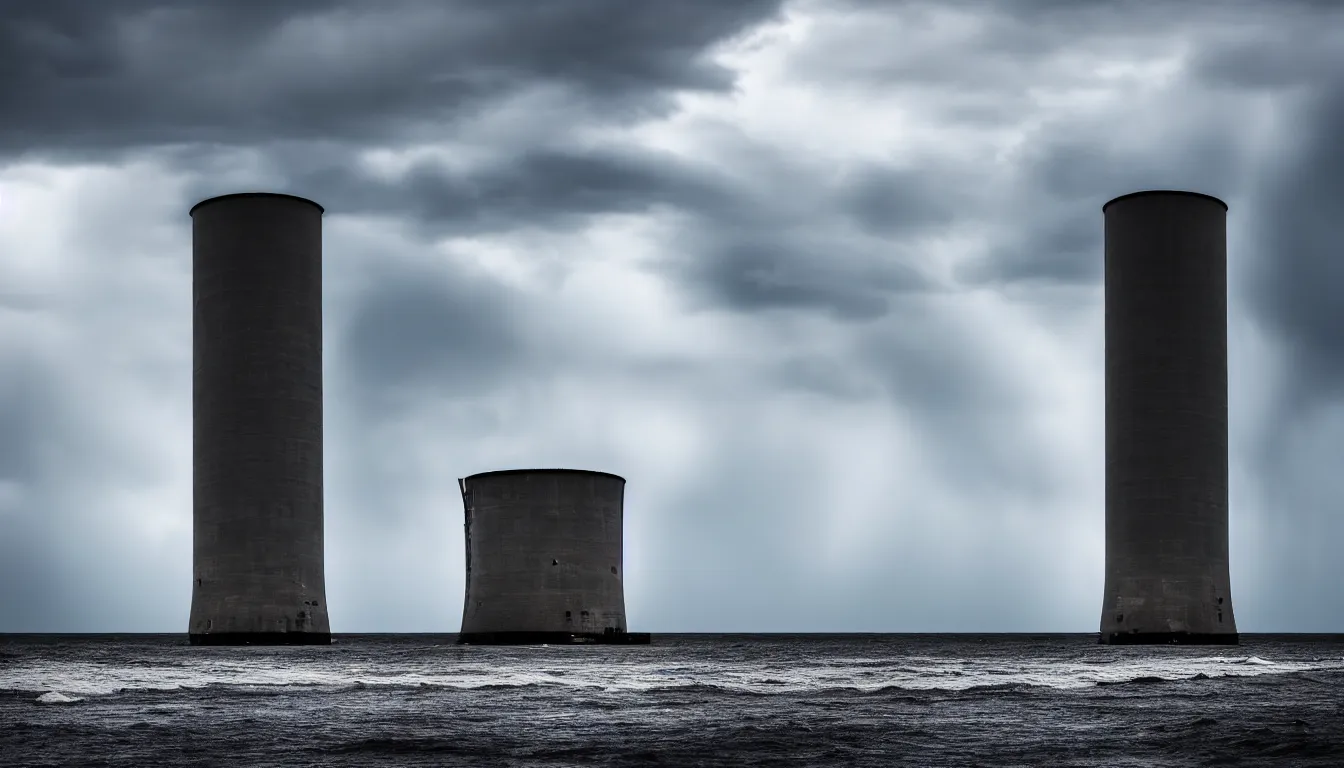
544	558
257	443
1167	576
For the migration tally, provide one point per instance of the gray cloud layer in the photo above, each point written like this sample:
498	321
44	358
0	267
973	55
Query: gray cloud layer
822	279
111	76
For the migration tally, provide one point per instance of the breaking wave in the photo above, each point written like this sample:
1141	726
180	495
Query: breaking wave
56	697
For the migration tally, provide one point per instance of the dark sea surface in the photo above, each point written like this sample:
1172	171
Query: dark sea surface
879	700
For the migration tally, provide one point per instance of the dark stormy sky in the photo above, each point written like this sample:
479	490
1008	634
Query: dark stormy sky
822	279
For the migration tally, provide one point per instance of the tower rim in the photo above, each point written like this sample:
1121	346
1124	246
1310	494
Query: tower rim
233	195
1175	192
542	471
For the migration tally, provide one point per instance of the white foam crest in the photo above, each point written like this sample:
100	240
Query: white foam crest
1256	660
56	697
560	669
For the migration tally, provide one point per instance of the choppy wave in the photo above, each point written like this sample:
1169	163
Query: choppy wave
865	701
1247	660
400	672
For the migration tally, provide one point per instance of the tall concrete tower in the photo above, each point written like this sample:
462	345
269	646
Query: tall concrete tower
544	558
1167	576
257	410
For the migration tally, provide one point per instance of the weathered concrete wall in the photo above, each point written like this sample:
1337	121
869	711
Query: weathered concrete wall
1167	575
257	443
544	554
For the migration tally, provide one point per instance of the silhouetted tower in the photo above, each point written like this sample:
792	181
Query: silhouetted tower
544	558
1167	575
257	411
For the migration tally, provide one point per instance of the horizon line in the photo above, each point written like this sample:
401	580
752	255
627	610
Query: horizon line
1338	633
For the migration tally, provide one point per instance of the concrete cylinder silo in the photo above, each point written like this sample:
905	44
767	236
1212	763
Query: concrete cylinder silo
544	558
1167	574
257	412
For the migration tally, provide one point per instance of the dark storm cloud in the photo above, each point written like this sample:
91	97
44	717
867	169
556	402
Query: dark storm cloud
112	76
925	363
1047	225
778	237
1293	260
1013	44
537	188
1130	19
1271	60
1290	48
892	201
439	328
1054	224
1063	247
1300	272
792	270
742	246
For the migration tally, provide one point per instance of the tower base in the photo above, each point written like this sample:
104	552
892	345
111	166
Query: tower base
554	638
261	638
1170	638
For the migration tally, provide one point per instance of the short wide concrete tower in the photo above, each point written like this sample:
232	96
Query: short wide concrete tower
257	411
1167	575
544	558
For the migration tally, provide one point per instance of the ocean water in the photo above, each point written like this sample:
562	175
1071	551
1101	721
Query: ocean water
731	700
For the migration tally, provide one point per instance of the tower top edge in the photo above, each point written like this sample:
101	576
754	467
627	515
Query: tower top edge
1169	192
236	195
508	472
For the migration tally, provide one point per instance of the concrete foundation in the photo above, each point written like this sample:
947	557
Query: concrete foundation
257	409
1167	575
544	558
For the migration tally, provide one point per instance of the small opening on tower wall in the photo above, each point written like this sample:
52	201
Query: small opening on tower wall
555	562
